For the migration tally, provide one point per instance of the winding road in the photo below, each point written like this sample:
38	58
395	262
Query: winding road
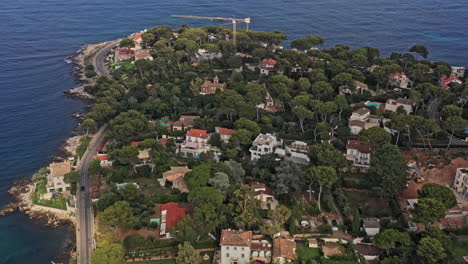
84	219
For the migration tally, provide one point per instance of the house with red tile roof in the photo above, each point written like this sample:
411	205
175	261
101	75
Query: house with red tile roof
284	250
176	177
265	195
196	142
171	214
143	54
267	66
445	81
209	87
224	133
399	79
121	54
235	246
359	152
104	160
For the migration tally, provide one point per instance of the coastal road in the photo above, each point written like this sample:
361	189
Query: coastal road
85	234
99	59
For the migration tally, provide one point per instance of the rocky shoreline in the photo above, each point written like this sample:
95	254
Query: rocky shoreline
80	60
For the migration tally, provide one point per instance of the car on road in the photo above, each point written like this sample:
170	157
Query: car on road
82	188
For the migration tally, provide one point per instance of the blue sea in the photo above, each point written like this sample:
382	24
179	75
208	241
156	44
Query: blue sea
37	35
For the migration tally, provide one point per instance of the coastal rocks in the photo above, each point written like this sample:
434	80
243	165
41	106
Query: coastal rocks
70	146
79	92
8	209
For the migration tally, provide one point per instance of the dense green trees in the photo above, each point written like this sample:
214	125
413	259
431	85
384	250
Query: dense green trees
324	176
108	253
186	254
440	193
389	169
120	214
428	211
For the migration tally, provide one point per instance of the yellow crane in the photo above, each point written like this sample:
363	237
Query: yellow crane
233	22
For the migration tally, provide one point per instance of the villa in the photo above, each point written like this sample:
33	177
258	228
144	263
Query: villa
445	81
55	178
224	133
359	152
176	177
264	144
121	54
267	66
362	119
392	105
235	246
185	122
284	250
399	80
209	87
461	183
265	195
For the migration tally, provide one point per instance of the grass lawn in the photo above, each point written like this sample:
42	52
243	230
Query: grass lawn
307	254
460	249
58	202
369	205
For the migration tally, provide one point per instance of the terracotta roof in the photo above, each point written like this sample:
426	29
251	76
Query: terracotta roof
367	249
137	37
135	143
142	54
398	74
269	62
175	173
236	238
101	157
198	133
284	248
257	185
362	111
225	131
58	169
400	101
449	79
175	213
361	146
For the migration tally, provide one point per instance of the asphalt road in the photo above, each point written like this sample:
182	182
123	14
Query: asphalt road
85	219
433	109
85	232
99	60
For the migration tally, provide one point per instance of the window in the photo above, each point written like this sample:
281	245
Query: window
243	255
235	248
227	255
227	247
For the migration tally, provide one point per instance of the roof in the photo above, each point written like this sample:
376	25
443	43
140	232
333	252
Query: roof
257	185
175	173
236	238
371	223
175	213
449	79
58	169
361	84
135	143
358	123
331	249
185	120
198	133
361	146
361	111
404	101
284	248
225	131
397	74
142	54
124	51
138	37
101	157
269	62
367	249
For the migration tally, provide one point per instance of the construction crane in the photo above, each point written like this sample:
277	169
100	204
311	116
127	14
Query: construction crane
233	22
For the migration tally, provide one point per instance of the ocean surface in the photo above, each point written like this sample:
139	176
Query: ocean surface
37	35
